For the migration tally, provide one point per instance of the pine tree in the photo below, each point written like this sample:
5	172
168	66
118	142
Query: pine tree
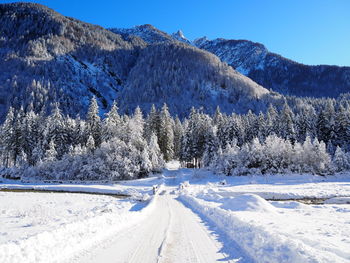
218	117
136	130
325	123
57	132
90	144
341	160
152	123
17	140
51	153
306	123
211	147
93	122
271	121
286	123
166	134
7	131
341	126
111	123
155	154
178	135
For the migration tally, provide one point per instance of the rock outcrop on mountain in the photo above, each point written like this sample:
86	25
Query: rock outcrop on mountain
276	72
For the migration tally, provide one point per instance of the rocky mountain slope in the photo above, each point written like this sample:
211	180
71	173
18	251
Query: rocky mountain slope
270	70
278	73
47	58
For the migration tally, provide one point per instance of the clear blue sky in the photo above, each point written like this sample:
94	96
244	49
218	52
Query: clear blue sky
308	31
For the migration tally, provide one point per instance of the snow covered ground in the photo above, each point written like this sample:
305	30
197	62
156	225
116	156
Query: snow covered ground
52	227
195	217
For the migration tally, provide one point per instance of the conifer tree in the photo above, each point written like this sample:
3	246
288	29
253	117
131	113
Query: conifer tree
152	123
178	135
136	130
93	122
51	153
111	124
286	123
166	134
7	131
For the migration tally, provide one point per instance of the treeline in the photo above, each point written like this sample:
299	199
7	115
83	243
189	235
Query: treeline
118	147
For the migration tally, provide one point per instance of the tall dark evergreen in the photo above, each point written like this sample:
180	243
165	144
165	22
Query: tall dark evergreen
286	123
152	123
326	123
178	136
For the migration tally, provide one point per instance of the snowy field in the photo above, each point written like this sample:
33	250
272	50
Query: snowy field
230	218
52	227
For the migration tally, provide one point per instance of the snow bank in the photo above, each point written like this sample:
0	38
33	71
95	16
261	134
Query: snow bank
65	240
247	202
261	244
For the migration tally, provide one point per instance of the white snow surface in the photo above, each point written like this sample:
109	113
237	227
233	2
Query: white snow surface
195	216
52	227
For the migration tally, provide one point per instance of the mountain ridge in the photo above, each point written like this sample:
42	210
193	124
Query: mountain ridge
272	70
47	58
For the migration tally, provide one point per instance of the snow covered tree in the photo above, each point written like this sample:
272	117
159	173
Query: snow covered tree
17	138
286	123
152	123
51	153
341	127
136	129
341	160
218	117
93	122
166	134
57	132
178	135
90	144
7	133
111	124
211	147
155	155
271	121
325	123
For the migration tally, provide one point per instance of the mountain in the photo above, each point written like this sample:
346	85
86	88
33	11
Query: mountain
147	33
268	69
277	73
179	36
47	58
151	35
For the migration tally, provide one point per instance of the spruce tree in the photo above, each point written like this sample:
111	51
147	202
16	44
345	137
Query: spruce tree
152	123
111	123
93	122
7	131
166	134
178	135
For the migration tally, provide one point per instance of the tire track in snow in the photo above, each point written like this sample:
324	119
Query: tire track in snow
172	233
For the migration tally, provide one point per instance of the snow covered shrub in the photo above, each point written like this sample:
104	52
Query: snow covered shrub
341	160
113	160
275	155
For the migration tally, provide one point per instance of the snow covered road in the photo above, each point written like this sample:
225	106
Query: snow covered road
172	233
195	217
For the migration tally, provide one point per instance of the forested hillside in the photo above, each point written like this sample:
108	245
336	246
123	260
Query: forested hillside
47	58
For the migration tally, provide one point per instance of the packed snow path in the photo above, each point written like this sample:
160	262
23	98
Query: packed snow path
172	233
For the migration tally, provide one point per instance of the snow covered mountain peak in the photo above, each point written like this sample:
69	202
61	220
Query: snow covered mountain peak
200	41
179	36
